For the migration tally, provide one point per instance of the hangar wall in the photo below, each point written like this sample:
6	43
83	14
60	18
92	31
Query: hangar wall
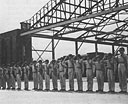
13	48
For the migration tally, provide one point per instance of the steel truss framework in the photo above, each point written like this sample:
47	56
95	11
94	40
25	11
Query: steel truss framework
94	21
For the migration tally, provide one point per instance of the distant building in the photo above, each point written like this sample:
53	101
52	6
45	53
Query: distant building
14	48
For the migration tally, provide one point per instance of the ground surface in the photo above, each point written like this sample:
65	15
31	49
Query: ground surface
37	97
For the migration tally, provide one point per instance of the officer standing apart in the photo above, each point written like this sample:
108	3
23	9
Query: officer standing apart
122	60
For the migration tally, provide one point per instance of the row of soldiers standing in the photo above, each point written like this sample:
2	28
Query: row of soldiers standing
11	74
76	67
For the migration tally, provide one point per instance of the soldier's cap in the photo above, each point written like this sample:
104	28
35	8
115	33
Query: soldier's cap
25	63
109	54
34	61
12	63
75	57
58	59
18	63
40	61
78	56
46	60
97	56
8	64
88	56
70	55
53	60
63	57
121	49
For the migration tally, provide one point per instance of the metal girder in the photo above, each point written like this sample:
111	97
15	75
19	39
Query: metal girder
48	11
75	20
42	50
112	40
66	16
65	26
78	40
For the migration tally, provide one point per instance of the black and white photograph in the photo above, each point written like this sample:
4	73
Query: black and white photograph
63	51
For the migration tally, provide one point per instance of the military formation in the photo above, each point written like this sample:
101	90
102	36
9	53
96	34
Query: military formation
74	67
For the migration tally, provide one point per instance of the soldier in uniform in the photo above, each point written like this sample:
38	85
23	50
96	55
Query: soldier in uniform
62	67
35	78
99	66
54	73
79	67
18	76
122	60
12	76
40	69
8	76
1	75
109	61
70	64
26	70
4	78
89	74
47	75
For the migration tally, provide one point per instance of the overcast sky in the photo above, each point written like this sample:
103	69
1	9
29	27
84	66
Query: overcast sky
12	12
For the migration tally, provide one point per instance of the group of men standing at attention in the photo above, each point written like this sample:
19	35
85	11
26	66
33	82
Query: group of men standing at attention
74	66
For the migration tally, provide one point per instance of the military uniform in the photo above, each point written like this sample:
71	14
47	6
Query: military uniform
35	78
8	77
4	79
47	77
54	72
18	77
26	70
12	77
1	75
70	64
99	75
62	75
122	61
40	75
78	71
89	74
110	73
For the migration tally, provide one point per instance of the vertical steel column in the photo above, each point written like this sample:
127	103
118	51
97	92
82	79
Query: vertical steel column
30	49
109	3
113	51
127	50
53	49
96	48
76	47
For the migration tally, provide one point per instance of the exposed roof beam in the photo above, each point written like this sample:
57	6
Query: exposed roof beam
75	20
112	40
79	40
42	50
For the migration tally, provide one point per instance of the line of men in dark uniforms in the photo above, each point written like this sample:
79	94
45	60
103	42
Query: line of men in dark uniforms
42	71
